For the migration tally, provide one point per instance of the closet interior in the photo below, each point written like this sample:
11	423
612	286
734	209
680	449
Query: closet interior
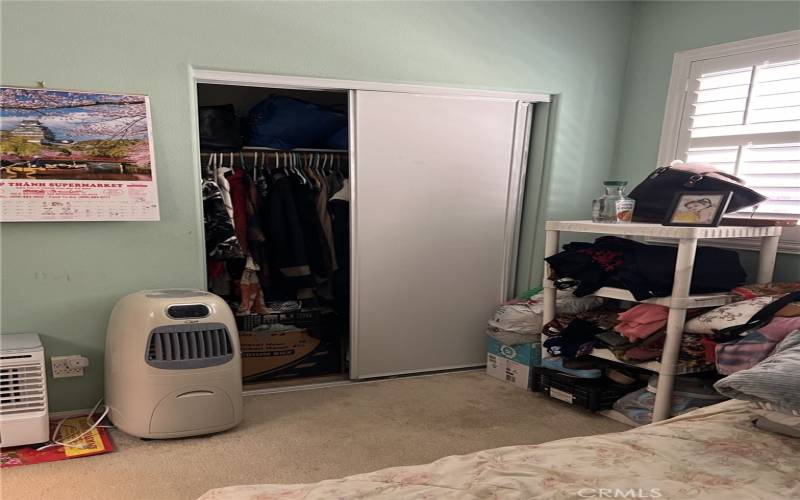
275	187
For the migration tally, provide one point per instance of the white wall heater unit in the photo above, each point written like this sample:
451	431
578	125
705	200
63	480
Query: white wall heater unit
23	391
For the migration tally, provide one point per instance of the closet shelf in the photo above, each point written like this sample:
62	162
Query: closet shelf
653	366
659	231
693	301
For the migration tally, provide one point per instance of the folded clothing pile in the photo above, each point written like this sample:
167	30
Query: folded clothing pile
577	339
645	270
641	321
638	337
573	335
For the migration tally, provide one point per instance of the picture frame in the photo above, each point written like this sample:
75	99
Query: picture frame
697	208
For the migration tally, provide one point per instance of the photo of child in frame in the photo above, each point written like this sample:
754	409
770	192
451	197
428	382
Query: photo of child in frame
698	208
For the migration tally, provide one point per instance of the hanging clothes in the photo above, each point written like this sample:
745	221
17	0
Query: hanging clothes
339	210
252	295
219	281
221	240
224	187
237	182
325	223
286	241
311	228
279	217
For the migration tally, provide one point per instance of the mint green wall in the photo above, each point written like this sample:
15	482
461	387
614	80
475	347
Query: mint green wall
659	30
61	279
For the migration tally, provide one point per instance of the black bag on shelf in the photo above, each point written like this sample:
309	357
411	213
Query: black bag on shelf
654	195
219	128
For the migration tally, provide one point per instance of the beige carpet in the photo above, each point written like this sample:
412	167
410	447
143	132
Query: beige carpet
311	435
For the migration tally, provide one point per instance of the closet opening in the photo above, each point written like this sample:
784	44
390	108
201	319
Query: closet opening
276	194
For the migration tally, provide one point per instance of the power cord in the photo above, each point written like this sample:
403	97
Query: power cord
92	425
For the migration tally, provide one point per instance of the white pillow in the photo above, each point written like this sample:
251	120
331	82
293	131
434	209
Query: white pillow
734	314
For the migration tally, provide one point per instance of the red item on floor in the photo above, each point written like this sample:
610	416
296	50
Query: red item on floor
97	442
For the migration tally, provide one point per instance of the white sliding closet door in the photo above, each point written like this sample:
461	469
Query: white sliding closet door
436	184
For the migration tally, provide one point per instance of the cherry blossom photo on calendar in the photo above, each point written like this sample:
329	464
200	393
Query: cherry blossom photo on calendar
66	135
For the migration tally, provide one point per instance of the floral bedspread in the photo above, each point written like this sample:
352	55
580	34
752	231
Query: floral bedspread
715	452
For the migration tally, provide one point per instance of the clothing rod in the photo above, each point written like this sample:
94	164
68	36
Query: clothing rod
254	149
296	150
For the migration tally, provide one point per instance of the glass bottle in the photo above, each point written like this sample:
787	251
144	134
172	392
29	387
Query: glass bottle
625	206
606	209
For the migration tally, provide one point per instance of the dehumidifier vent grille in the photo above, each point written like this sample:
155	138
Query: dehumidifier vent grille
178	347
22	389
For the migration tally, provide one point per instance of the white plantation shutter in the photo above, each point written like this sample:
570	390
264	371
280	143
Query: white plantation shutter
737	106
742	114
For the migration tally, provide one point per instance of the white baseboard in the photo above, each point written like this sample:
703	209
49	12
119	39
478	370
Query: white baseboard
58	415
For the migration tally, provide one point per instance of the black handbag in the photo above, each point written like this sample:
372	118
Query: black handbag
654	195
759	319
219	128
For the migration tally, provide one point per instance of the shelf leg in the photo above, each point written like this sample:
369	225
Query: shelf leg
550	248
766	258
549	292
684	266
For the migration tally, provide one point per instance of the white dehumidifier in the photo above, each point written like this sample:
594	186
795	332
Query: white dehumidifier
172	364
23	391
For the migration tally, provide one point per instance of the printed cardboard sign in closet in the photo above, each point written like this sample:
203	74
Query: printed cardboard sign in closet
271	354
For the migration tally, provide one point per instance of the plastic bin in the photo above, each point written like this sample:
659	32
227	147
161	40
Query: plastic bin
591	394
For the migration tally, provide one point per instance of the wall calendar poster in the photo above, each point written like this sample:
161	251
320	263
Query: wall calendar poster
75	156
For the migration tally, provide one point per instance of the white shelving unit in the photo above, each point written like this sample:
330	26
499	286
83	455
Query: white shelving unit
679	301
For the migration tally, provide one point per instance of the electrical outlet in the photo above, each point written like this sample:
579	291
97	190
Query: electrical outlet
68	366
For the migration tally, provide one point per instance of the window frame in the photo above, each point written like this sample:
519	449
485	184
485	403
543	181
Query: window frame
679	86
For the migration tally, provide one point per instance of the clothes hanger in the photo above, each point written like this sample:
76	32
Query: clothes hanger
295	162
286	167
315	162
313	175
208	172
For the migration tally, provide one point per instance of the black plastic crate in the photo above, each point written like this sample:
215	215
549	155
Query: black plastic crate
301	318
591	394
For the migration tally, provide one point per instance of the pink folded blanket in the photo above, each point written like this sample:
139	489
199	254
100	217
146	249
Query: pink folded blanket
641	321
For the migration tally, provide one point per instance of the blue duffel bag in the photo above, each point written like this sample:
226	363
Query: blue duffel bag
338	140
285	123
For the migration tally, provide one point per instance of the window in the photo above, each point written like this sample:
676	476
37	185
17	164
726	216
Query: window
737	107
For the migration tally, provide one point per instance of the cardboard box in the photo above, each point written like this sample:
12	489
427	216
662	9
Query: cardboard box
513	364
269	354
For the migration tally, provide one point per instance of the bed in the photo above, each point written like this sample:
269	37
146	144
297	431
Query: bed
714	452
